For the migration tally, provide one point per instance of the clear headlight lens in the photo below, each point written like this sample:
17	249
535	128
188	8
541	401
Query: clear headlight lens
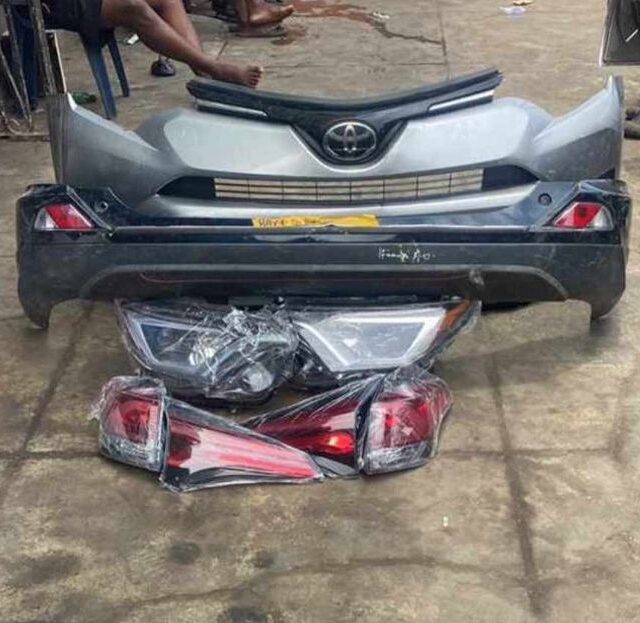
242	356
352	341
219	353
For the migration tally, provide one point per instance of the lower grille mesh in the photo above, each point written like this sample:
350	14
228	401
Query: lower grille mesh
373	190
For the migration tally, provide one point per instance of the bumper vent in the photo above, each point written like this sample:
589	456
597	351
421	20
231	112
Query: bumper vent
374	190
344	192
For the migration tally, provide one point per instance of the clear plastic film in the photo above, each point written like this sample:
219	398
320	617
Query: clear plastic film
340	344
191	448
326	426
130	411
206	451
403	422
214	352
383	423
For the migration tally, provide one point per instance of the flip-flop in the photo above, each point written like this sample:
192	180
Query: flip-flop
163	68
261	32
224	11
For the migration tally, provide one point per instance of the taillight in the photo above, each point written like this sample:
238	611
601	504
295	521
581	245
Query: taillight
191	448
584	215
325	426
404	422
62	217
205	450
382	424
332	444
131	422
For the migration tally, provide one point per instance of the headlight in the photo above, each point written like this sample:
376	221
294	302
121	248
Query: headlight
218	353
343	343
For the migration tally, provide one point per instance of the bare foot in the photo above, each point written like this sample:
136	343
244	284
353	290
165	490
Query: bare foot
248	76
262	13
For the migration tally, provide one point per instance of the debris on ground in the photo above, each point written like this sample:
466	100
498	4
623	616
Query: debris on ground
82	98
513	11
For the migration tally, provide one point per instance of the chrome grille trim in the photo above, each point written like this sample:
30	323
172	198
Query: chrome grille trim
177	207
369	190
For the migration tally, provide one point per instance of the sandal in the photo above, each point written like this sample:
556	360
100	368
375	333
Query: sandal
260	32
224	11
163	68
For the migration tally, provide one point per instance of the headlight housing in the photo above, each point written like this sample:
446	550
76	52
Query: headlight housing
214	352
340	344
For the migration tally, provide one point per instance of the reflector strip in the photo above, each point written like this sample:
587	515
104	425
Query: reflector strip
584	215
62	217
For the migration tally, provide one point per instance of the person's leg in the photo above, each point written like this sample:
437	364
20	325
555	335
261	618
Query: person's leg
173	12
162	38
260	13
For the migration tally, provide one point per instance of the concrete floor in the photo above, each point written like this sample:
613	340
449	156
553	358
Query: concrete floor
530	513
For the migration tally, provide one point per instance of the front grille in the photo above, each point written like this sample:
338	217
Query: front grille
379	190
374	190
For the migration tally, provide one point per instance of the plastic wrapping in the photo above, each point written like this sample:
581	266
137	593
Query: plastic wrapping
375	421
384	423
214	352
205	451
403	422
192	449
326	426
130	412
338	345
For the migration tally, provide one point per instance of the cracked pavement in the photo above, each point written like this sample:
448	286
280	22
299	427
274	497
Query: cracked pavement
530	512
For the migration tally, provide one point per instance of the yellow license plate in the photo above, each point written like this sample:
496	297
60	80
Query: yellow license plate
288	222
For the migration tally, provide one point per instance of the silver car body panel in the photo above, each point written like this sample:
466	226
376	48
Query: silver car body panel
91	152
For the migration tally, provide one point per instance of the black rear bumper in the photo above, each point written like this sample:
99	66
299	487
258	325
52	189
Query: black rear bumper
489	264
517	272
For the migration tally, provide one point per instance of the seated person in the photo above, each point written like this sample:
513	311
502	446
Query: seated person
164	26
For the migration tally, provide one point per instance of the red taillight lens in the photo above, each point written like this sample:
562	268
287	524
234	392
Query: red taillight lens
131	423
584	215
192	449
324	426
404	421
131	417
321	429
213	453
62	217
338	444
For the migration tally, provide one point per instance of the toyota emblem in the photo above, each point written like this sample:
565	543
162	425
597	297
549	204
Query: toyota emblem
350	141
